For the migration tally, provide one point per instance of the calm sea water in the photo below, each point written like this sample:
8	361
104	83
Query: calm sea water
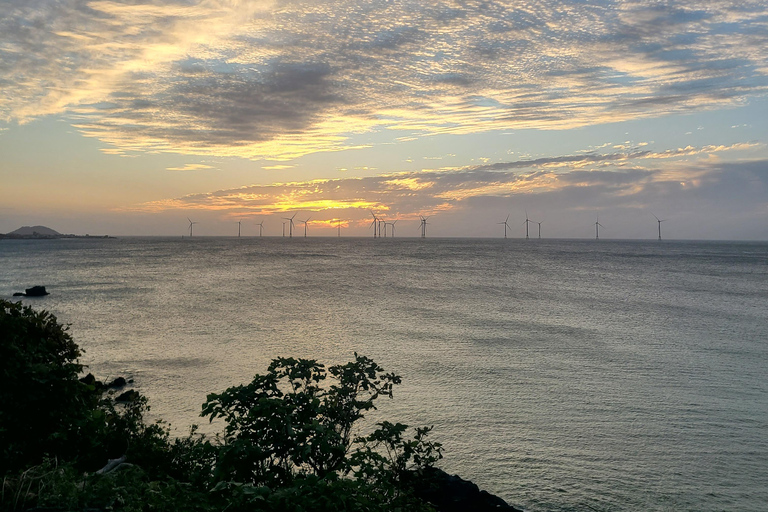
560	375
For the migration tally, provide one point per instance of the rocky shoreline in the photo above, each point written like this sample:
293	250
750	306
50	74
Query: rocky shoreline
451	493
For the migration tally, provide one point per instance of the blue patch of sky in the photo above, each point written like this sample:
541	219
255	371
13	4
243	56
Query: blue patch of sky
46	142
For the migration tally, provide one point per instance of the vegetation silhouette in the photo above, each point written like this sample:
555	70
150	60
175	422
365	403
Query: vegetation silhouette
287	443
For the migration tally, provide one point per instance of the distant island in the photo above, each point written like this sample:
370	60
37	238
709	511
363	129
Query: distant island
42	233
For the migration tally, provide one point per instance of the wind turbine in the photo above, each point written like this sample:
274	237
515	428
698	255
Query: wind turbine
539	223
261	228
375	223
423	226
290	226
597	228
190	226
305	225
506	225
659	221
283	229
338	227
238	228
392	225
526	222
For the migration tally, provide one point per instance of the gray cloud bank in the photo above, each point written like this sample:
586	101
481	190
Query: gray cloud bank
284	78
698	191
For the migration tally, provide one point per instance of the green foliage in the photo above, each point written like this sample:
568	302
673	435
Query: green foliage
385	453
43	407
287	443
62	487
286	430
285	423
46	411
313	494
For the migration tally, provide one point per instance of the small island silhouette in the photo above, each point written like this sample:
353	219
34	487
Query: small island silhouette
42	233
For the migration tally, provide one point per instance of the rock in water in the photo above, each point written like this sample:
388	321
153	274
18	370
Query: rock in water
117	383
128	396
36	291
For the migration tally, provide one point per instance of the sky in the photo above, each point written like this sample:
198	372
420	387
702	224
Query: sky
133	117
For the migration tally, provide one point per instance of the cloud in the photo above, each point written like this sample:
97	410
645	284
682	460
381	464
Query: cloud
572	161
627	179
190	167
261	79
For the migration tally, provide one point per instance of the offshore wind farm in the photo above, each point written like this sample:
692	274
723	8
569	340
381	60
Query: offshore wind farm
378	227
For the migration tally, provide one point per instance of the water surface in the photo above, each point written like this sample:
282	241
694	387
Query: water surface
560	375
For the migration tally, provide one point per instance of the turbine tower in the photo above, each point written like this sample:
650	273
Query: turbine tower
539	223
423	226
190	226
597	228
526	222
305	225
261	228
506	225
238	228
374	223
338	227
290	226
392	225
659	221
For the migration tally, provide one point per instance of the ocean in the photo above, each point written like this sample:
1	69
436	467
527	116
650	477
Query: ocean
561	375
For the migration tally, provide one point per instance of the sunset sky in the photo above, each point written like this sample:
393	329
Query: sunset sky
128	117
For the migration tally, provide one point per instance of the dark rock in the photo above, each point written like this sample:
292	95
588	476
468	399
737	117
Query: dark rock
36	291
90	380
19	294
450	493
117	383
128	396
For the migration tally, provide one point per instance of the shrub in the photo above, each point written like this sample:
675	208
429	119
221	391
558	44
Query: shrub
44	408
47	412
287	443
286	430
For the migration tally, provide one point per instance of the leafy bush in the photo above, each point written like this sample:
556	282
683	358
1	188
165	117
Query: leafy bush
44	409
47	411
287	443
285	429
